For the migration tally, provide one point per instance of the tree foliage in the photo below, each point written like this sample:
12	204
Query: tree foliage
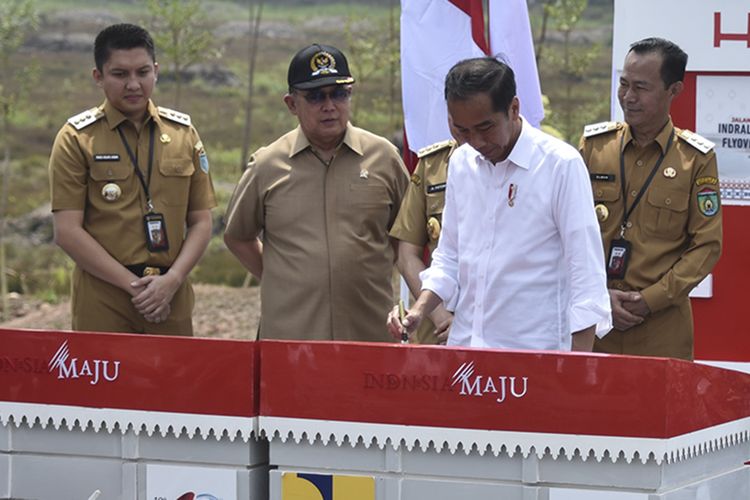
179	33
571	103
374	60
18	18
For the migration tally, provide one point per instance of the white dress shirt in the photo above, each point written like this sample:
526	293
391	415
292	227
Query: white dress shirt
525	276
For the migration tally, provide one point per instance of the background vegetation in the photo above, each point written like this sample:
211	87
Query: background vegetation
573	38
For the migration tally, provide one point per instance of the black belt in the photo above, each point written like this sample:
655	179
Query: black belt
141	270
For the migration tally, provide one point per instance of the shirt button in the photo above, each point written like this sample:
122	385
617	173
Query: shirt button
639	163
629	224
634	193
619	286
599	192
668	201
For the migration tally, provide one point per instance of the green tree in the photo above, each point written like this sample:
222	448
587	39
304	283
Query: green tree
374	59
18	18
255	14
572	101
179	33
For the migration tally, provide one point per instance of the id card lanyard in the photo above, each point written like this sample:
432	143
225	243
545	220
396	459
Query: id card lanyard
628	212
619	252
154	224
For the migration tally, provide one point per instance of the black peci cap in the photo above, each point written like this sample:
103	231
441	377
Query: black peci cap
317	66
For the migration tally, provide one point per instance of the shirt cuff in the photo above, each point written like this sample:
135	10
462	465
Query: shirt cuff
656	298
442	285
589	313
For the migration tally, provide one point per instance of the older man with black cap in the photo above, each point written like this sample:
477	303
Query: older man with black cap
311	214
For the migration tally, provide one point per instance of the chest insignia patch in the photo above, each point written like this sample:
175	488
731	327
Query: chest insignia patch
670	173
602	212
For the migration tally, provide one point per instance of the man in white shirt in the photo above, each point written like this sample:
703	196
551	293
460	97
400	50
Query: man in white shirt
520	245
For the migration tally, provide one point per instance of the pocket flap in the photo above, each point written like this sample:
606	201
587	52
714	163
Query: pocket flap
114	171
177	167
606	193
667	198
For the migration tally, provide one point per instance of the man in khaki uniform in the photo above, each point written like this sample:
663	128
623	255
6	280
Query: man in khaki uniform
418	224
131	197
657	199
310	215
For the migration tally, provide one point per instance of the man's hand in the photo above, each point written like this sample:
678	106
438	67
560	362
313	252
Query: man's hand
627	309
442	319
637	306
396	327
153	302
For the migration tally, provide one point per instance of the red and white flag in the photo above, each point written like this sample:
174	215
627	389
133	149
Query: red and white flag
436	34
511	42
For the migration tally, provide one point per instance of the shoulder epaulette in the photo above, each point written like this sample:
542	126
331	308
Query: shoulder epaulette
175	116
698	142
86	118
600	128
432	148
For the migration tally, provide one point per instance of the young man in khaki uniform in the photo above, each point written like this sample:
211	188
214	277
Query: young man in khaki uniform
418	224
657	199
311	214
131	197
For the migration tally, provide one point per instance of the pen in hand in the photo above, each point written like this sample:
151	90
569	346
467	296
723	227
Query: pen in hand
401	318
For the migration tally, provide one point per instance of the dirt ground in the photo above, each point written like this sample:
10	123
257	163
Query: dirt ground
220	312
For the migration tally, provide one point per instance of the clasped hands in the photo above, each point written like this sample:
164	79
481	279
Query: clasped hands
628	309
153	294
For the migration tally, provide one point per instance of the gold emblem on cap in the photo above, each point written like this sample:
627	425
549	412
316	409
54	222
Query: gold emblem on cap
165	139
670	172
323	63
602	212
433	228
111	191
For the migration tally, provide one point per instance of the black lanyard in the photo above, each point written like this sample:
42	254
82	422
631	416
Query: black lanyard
627	212
145	183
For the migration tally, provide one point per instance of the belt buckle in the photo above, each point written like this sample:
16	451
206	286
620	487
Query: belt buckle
151	271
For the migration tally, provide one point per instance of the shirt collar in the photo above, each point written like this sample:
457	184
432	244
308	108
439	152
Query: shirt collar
662	138
351	139
521	153
114	117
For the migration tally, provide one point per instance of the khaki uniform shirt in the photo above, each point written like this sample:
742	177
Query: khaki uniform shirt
675	230
84	160
327	257
421	213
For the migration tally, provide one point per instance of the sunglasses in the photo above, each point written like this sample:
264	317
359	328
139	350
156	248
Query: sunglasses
337	95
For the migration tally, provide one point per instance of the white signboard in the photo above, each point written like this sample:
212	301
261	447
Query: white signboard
173	482
722	115
714	33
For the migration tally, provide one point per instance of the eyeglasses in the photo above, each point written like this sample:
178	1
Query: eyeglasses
337	95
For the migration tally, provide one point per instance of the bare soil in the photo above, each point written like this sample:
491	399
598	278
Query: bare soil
220	312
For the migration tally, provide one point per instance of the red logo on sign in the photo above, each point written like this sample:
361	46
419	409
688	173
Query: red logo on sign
719	36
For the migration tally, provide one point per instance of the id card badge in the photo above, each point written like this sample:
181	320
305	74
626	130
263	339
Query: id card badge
619	255
156	232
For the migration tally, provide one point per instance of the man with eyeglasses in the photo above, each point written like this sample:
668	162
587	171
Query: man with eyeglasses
311	214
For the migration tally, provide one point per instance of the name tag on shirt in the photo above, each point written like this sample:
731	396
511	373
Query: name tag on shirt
436	188
603	177
107	157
